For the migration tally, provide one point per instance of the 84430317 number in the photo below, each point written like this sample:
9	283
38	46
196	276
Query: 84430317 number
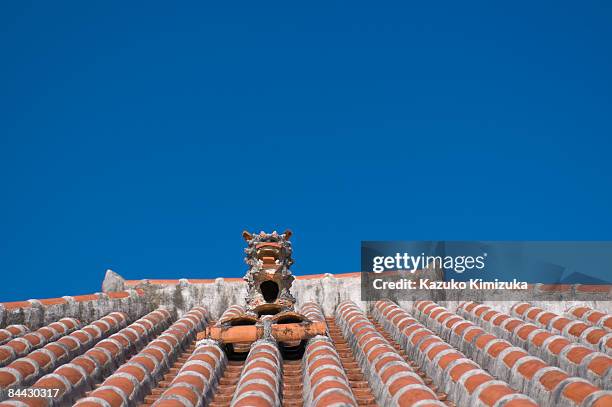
33	392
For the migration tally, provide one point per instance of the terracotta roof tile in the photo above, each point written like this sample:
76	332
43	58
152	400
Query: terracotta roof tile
591	316
401	385
31	341
583	331
126	384
11	332
525	371
54	354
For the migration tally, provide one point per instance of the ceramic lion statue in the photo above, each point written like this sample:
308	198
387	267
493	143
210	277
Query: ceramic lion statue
269	279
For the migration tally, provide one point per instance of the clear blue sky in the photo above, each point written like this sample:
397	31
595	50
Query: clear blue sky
144	136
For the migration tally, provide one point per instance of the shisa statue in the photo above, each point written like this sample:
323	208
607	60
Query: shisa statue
268	278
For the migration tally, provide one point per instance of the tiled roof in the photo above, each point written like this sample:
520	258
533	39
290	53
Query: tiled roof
23	345
127	385
461	377
420	354
517	366
11	332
